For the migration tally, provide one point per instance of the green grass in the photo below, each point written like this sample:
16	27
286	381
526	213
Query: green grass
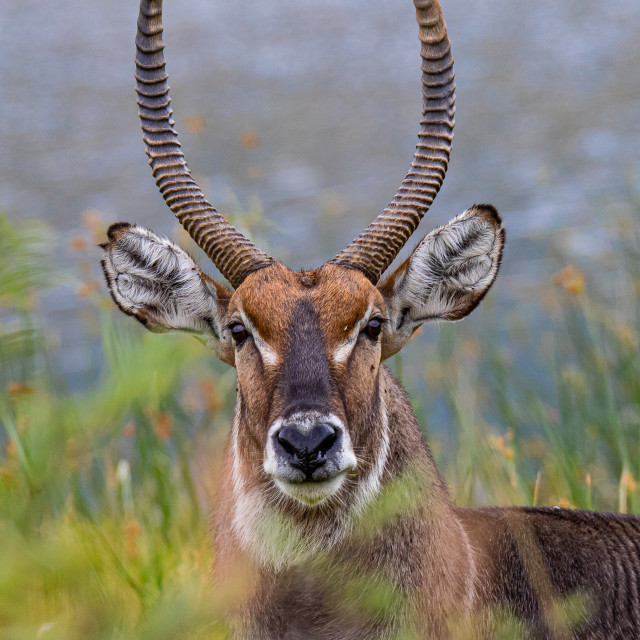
105	493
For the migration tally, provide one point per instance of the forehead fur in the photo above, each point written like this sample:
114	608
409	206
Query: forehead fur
339	296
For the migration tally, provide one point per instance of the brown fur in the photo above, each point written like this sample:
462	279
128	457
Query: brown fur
388	553
446	572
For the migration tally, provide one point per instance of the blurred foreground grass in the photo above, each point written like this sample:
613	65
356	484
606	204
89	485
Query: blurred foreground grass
104	493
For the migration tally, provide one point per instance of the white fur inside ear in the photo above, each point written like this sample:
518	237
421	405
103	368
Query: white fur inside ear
450	270
153	279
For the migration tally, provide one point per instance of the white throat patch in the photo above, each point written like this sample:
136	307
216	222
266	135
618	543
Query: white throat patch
272	537
267	534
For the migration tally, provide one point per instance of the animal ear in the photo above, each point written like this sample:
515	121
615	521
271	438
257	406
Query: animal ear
159	284
445	277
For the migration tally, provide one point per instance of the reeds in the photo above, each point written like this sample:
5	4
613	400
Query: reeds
105	492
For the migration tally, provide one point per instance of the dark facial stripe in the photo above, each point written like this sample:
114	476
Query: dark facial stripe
305	378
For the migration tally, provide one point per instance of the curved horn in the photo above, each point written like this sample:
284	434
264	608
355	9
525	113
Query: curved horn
377	246
233	254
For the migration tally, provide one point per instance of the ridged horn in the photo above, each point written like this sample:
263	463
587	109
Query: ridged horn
233	254
377	246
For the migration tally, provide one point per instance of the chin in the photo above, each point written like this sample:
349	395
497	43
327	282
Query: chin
311	493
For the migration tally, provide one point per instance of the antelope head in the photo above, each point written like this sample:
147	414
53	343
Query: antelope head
310	426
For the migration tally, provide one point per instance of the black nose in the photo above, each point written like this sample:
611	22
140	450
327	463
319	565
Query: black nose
307	452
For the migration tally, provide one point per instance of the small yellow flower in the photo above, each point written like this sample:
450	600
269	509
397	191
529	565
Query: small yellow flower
12	449
162	425
195	124
92	219
132	531
87	289
249	139
17	390
78	244
501	445
629	482
628	336
210	395
570	279
129	429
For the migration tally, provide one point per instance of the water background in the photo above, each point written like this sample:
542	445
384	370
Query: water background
310	107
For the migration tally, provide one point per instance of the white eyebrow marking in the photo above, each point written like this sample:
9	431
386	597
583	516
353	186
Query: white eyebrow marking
267	352
341	354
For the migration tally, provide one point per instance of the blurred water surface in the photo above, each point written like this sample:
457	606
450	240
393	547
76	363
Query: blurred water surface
311	107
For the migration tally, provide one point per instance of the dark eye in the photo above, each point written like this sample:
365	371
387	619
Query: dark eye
239	332
373	328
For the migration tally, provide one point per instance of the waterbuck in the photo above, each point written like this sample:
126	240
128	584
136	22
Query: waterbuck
329	499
